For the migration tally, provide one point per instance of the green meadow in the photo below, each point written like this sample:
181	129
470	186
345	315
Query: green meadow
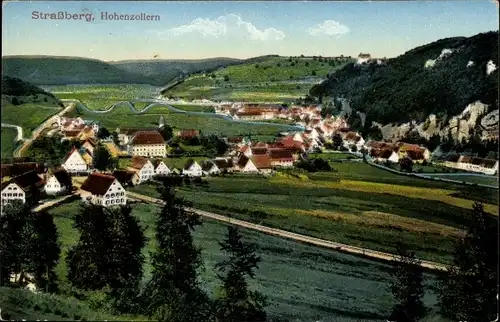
359	205
122	117
101	97
302	282
8	141
28	116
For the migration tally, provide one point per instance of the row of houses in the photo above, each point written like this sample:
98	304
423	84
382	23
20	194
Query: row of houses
32	185
473	164
392	152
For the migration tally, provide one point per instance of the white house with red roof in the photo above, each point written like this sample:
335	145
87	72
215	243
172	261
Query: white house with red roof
104	190
74	162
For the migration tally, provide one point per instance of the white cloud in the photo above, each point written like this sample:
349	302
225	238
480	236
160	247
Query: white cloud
328	28
227	25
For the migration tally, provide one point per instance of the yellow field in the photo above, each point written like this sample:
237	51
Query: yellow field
441	195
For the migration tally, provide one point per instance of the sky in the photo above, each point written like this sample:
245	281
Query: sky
194	30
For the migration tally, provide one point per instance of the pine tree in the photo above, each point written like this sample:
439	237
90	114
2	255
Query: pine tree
174	293
108	254
125	258
87	267
407	288
468	292
236	302
45	251
28	246
102	159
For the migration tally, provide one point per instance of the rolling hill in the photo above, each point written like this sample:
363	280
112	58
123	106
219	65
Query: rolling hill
268	78
445	87
55	70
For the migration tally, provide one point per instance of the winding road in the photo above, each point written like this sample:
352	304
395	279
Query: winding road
19	129
39	130
159	102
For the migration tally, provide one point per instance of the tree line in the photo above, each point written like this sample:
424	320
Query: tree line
108	262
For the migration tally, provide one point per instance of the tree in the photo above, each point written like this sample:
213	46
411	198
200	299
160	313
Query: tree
407	288
236	302
102	159
28	245
174	293
103	133
226	78
313	73
15	101
87	267
44	251
337	141
125	258
108	254
353	148
166	132
406	164
468	291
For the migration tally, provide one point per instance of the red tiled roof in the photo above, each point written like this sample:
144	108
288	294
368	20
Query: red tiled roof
98	183
244	148
223	163
281	154
262	161
235	139
188	133
26	181
124	176
259	151
137	162
147	137
242	161
62	176
249	113
72	133
381	153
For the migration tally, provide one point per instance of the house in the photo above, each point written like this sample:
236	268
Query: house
15	169
160	167
281	157
143	167
352	138
474	164
104	190
127	177
416	156
125	135
258	151
210	168
90	145
25	187
245	164
383	155
246	150
148	143
87	133
192	169
363	58
58	182
188	134
262	163
74	162
224	165
403	148
250	115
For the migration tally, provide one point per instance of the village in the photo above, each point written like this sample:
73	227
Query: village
145	150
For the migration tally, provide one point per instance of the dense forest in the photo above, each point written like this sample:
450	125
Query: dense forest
17	87
439	78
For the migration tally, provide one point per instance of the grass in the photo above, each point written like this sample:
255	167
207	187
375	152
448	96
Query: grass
8	142
100	97
195	108
469	178
28	116
301	281
361	212
122	117
19	304
274	79
333	156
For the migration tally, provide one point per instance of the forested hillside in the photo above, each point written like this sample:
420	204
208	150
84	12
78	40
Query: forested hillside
439	78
